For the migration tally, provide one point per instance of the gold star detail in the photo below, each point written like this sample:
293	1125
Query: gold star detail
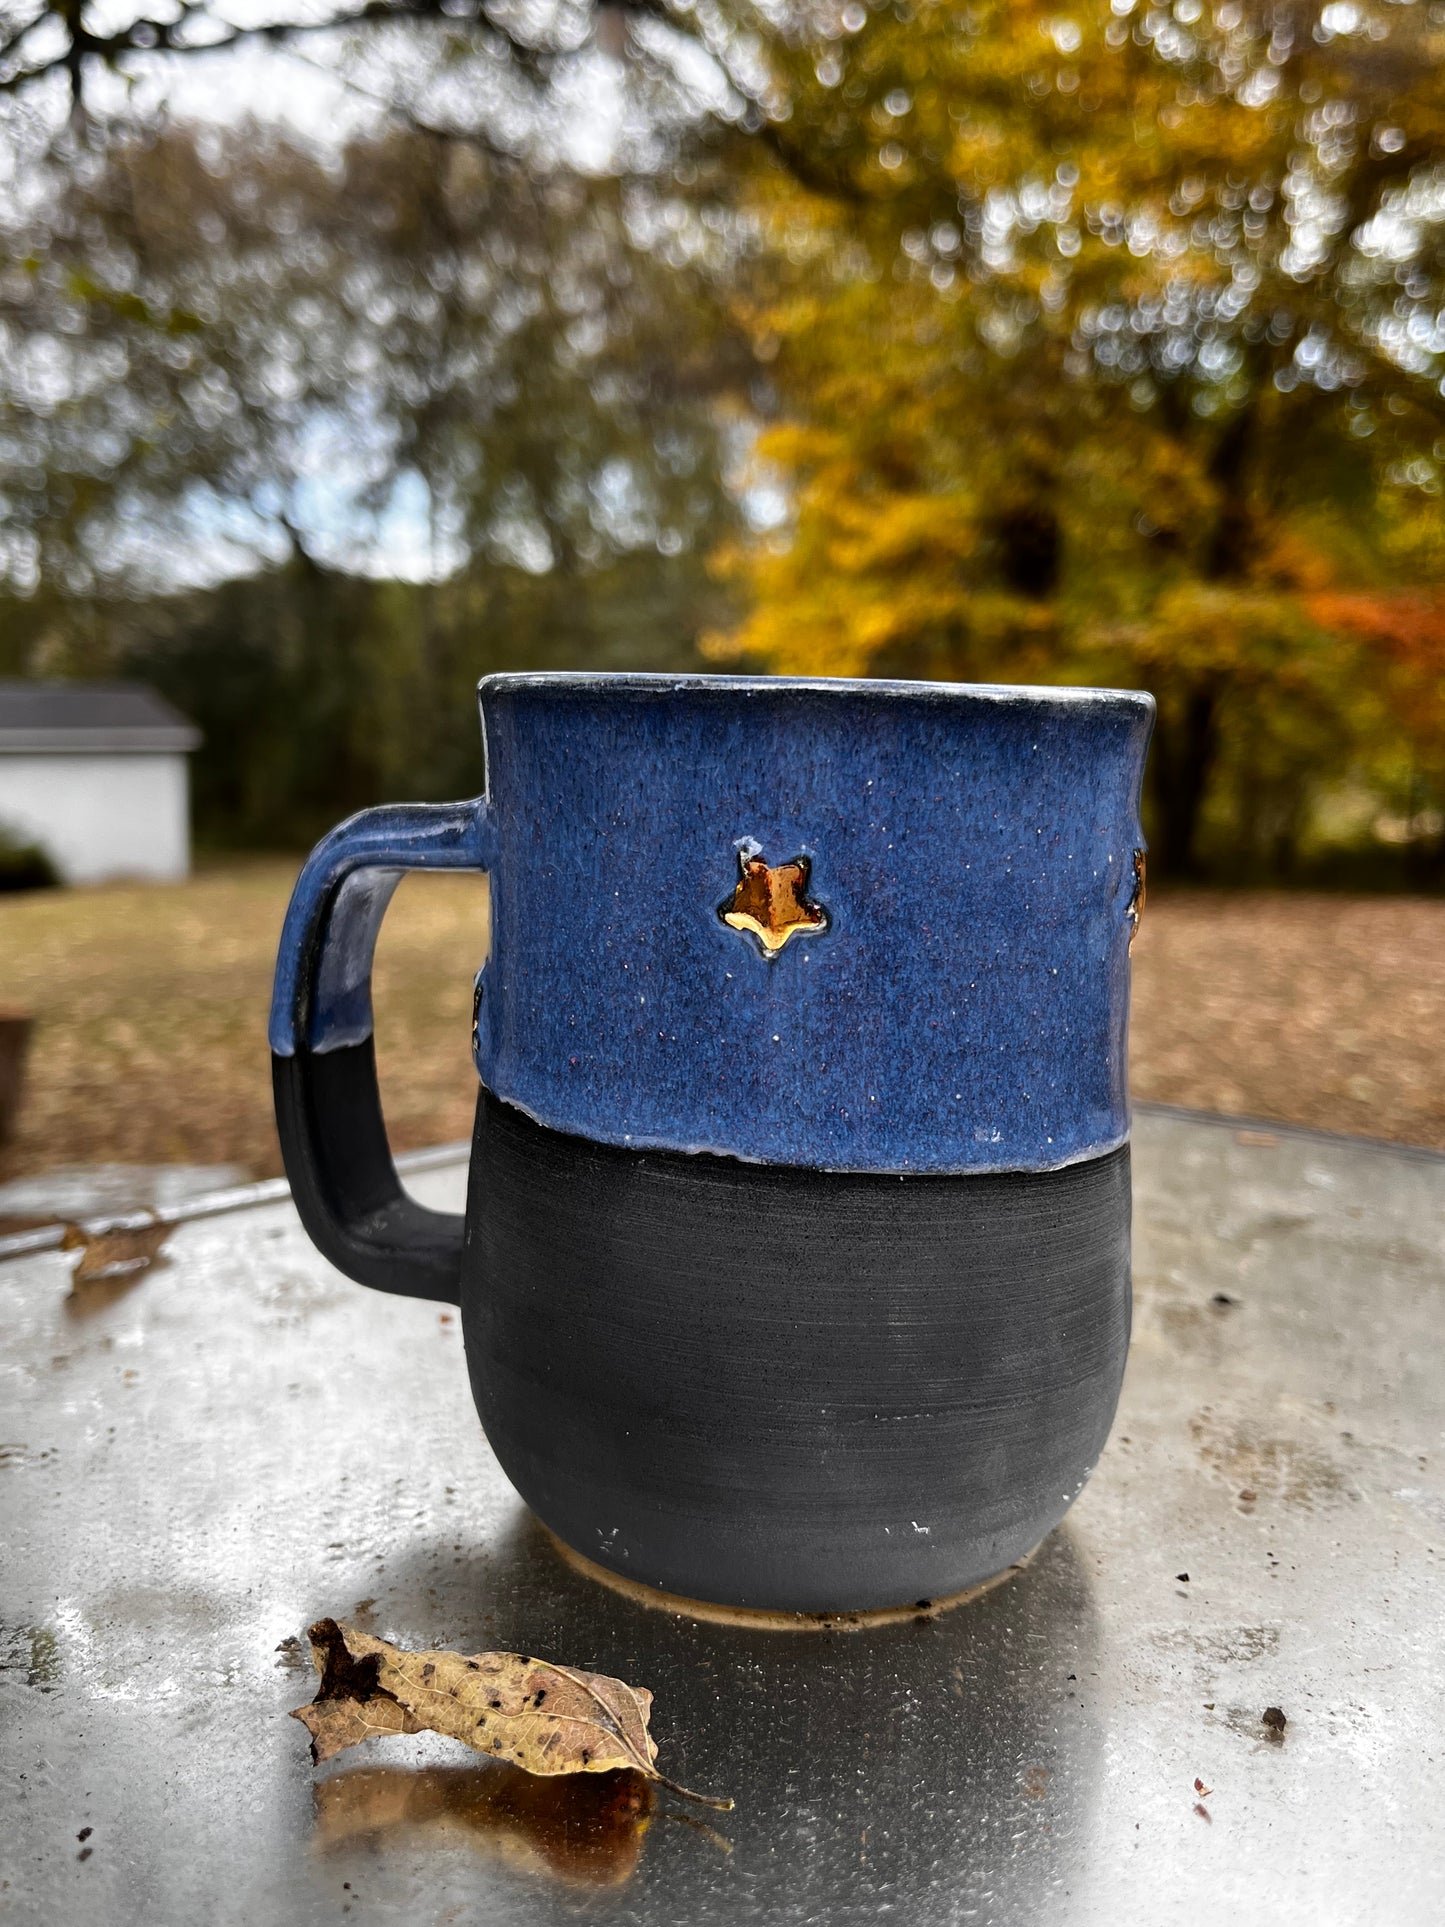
771	901
1136	904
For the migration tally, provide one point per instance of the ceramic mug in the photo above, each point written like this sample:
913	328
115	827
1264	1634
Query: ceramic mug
795	1266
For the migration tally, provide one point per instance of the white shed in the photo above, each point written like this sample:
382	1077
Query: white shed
96	774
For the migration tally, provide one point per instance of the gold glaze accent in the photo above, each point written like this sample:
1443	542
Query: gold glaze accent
771	901
757	1620
1136	905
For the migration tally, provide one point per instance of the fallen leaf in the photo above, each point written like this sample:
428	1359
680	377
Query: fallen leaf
544	1718
109	1254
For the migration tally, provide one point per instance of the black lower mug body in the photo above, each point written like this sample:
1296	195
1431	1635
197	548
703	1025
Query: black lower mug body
789	1389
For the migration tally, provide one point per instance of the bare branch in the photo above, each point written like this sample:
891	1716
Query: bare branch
147	36
809	170
407	117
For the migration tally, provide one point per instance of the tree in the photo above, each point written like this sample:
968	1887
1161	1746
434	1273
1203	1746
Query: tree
1403	633
232	357
44	43
208	323
1102	340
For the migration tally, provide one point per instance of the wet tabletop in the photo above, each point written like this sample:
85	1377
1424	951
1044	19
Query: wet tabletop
195	1466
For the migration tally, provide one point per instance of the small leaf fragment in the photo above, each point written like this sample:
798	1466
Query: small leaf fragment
110	1254
546	1719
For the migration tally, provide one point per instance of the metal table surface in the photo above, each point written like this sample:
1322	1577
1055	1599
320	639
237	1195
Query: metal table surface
194	1467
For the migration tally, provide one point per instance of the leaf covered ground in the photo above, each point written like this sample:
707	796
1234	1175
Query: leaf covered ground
150	1004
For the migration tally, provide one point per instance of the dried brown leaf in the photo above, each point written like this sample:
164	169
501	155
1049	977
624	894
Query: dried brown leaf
544	1718
109	1254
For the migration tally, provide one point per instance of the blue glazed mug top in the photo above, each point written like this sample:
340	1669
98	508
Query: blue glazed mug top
853	926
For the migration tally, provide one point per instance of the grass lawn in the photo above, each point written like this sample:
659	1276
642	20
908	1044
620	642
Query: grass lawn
151	1001
151	1007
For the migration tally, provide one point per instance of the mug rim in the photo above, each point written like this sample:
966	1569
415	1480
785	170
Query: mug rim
661	682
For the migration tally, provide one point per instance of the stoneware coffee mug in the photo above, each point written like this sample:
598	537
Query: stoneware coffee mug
795	1267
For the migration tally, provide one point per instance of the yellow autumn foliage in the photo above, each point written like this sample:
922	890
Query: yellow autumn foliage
1098	341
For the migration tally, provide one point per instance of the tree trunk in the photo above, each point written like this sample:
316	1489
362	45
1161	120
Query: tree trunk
1187	733
1183	755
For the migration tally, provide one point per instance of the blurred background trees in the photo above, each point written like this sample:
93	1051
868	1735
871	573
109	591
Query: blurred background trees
349	355
1115	350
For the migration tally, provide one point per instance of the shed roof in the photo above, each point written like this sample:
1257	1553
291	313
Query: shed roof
89	716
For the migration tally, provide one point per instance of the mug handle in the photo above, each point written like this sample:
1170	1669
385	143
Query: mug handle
323	1055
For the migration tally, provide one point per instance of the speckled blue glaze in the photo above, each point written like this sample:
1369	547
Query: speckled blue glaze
967	1007
965	1010
321	995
